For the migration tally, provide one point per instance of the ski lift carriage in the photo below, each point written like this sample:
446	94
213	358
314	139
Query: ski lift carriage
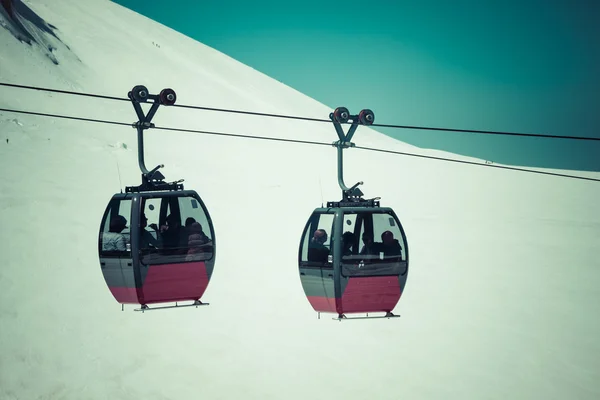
353	254
157	241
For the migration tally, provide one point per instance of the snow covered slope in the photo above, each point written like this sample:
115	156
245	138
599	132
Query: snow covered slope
501	300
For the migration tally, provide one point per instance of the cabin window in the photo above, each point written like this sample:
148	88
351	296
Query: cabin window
115	234
387	240
350	235
316	244
381	250
182	233
199	237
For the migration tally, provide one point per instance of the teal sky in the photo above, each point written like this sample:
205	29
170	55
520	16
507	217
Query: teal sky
520	66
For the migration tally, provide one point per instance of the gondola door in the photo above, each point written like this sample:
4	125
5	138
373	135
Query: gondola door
316	266
373	273
114	247
172	266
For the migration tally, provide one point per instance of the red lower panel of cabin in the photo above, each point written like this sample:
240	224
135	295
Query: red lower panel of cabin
371	294
322	304
361	295
174	282
165	283
124	295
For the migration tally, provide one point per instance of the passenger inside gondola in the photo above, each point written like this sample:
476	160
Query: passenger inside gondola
192	227
317	251
188	223
147	240
347	243
197	241
114	240
391	247
173	235
369	247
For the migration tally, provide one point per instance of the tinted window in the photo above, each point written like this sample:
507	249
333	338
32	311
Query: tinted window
351	235
115	235
316	243
377	249
199	245
387	238
175	229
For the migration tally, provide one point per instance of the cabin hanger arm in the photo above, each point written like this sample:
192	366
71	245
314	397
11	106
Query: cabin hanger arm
151	179
339	116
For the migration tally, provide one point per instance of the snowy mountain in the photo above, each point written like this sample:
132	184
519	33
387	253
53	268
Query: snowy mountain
501	293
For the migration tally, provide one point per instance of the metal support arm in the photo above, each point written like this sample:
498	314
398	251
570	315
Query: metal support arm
339	116
141	125
151	179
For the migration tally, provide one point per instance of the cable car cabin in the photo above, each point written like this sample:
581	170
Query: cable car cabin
353	260
156	246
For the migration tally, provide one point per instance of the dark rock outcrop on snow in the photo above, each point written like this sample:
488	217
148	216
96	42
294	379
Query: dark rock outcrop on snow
28	27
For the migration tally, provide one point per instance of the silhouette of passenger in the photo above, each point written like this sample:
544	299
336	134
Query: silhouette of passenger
174	235
188	222
390	246
114	240
347	243
147	240
369	247
196	242
317	251
191	228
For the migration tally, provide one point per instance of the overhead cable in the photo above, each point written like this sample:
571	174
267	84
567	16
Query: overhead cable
300	142
486	132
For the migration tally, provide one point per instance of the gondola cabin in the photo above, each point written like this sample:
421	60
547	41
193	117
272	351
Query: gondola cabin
156	247
156	242
353	259
353	255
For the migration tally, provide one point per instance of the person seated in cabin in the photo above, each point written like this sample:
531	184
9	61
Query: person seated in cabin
173	235
147	240
370	248
347	243
197	243
192	229
114	240
188	223
391	247
317	251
